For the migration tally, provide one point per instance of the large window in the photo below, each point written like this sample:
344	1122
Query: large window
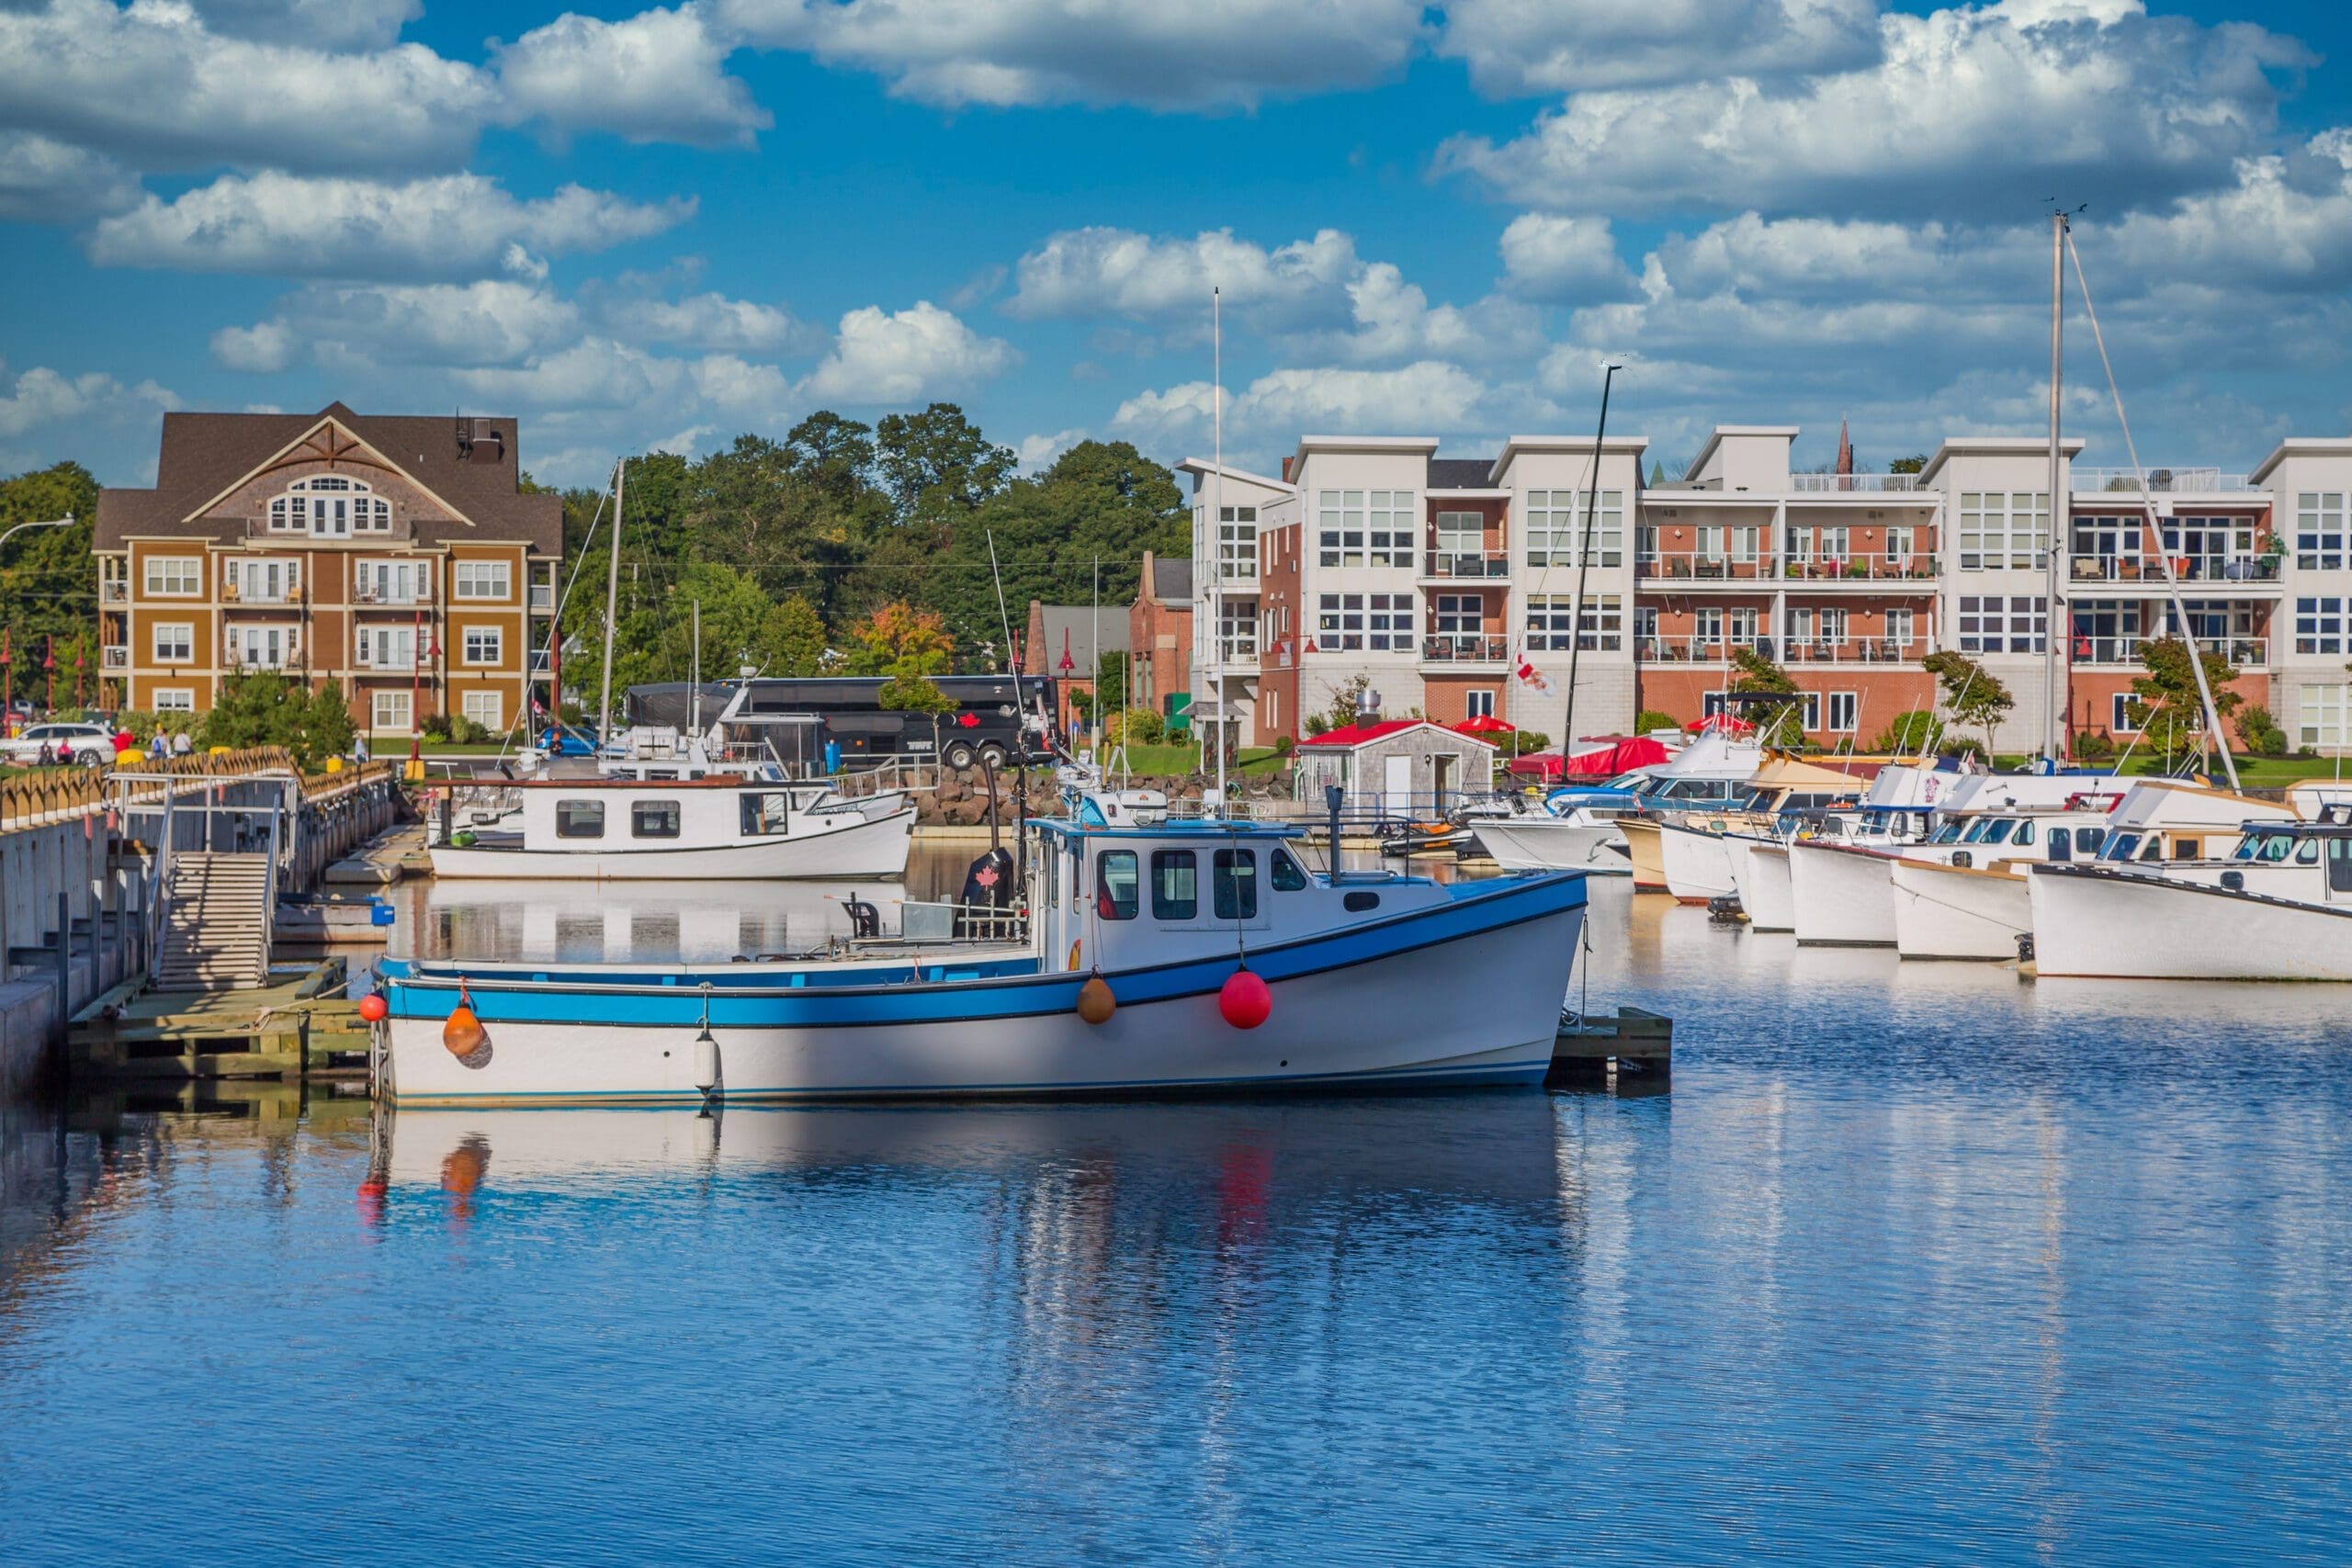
261	647
1478	704
1359	622
2319	626
175	699
1550	617
1994	624
1239	617
330	507
484	579
1457	615
175	642
485	708
1843	707
1556	527
2323	716
1460	533
1237	543
392	583
1899	628
262	582
485	645
2003	529
174	577
1175	884
388	710
1364	527
388	647
2323	530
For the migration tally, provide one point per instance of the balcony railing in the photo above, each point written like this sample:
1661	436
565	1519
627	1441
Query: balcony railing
369	596
1457	564
1465	648
114	591
1240	650
287	658
366	658
1859	483
114	657
542	597
2192	569
1682	566
1694	649
234	592
2162	481
2245	652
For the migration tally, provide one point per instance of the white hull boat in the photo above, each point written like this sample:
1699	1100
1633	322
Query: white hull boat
1957	911
1842	895
2100	922
840	843
1373	981
1553	843
1697	861
1760	871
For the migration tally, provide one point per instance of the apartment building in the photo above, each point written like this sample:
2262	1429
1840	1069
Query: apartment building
1459	585
396	555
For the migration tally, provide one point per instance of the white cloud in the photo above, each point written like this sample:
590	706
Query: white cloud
46	416
43	181
1542	46
1209	53
656	76
329	24
264	347
351	329
885	358
1427	398
1547	256
707	320
152	84
1037	453
452	226
1970	110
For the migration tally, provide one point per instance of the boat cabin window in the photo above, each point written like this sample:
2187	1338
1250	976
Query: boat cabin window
2061	847
2307	852
2087	840
2154	849
1116	895
1175	886
2264	847
1949	833
2340	865
1235	883
579	819
2188	849
1049	868
658	775
1359	903
1287	877
765	811
2024	834
653	820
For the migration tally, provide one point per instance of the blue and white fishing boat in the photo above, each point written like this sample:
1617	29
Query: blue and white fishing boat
1154	957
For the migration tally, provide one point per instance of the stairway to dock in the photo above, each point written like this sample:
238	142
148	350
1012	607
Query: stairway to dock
217	925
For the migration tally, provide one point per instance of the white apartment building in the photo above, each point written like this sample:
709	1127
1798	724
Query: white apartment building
1442	578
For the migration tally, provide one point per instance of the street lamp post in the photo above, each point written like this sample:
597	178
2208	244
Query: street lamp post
6	691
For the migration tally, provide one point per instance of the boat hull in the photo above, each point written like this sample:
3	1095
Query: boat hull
876	847
1957	911
1842	896
1697	863
1645	849
1760	872
2101	924
1547	843
1468	993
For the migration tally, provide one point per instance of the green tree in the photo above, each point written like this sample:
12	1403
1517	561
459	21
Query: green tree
1785	727
259	707
1972	696
1909	732
792	638
899	639
326	730
1911	465
937	469
2165	704
1346	698
47	582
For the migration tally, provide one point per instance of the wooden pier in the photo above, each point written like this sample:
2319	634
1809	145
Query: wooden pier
1633	1051
298	1027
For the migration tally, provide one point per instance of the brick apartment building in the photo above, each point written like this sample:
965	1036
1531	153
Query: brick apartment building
396	555
1436	577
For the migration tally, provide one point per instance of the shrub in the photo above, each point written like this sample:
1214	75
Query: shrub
434	730
2260	731
1318	725
1909	731
1141	726
2093	746
1651	718
1284	746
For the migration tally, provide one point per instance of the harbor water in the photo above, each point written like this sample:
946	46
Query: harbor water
1914	1263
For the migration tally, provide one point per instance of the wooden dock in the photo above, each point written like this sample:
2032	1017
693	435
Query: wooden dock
299	1026
1634	1051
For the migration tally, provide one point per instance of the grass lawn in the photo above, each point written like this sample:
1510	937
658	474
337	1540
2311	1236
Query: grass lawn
2268	771
1253	761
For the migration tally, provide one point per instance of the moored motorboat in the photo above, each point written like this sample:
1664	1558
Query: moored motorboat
1132	978
1943	910
1840	894
1761	869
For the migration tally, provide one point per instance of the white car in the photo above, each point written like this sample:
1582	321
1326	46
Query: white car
92	744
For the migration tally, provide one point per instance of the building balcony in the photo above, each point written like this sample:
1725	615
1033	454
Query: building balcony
1454	566
367	596
287	658
1683	566
1850	651
367	660
1855	484
542	599
1693	569
2160	481
234	595
2123	652
1239	650
1694	649
114	655
2190	568
1465	648
114	591
1919	568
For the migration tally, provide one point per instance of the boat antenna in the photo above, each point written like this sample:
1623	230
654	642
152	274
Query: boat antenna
2147	502
612	600
555	637
1584	569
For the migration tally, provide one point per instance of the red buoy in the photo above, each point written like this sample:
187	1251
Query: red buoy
1245	1001
373	1007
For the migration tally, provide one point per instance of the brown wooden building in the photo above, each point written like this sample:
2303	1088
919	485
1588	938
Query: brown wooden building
395	554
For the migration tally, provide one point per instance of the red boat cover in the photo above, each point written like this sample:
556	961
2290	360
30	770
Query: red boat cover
1605	758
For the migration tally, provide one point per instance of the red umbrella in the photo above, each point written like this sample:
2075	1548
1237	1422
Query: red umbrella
1729	724
1484	724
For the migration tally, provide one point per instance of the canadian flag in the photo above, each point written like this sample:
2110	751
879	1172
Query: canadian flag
1531	676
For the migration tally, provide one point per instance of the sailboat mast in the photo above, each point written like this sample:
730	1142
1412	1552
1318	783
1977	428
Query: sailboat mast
1217	529
2053	629
612	602
1584	568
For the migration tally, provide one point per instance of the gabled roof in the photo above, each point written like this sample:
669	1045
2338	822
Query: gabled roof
1072	627
1357	734
204	456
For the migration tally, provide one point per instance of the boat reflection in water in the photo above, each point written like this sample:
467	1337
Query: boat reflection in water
652	922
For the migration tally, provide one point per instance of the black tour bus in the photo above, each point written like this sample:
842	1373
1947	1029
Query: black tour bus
987	719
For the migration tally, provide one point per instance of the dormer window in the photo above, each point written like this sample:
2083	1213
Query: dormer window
330	507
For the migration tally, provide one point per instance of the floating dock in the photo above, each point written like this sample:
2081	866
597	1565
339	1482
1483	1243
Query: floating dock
1633	1050
299	1026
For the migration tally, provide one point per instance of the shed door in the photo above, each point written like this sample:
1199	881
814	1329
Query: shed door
1399	790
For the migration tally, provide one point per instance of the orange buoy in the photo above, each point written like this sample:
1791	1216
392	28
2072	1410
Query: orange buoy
463	1034
1245	1002
1095	1002
373	1007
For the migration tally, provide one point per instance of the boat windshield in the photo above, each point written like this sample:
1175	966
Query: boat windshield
1633	780
1949	833
2119	846
2269	847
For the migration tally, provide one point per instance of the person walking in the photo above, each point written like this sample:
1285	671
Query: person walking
182	745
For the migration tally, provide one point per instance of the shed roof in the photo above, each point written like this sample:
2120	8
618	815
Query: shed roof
1352	735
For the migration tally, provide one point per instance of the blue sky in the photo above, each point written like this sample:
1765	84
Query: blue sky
641	227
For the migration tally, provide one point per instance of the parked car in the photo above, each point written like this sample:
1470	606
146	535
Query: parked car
89	744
